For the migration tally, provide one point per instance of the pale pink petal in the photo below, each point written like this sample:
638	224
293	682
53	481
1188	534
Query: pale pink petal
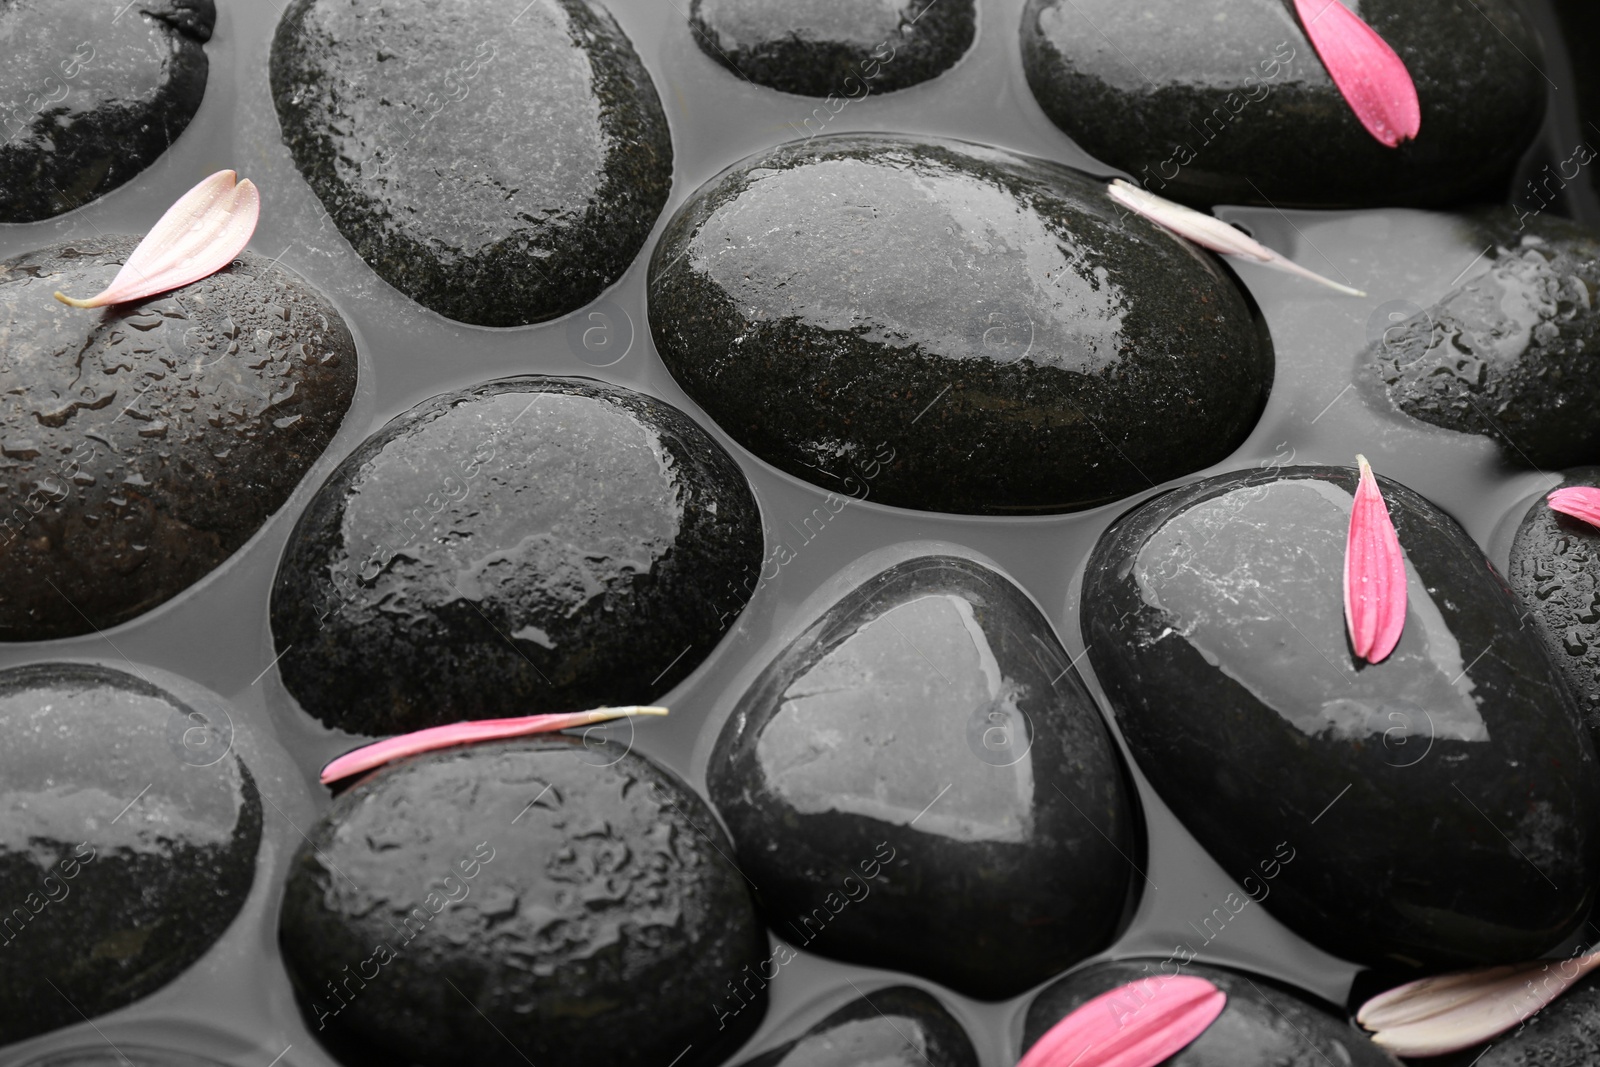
1136	1025
1210	232
378	753
1579	501
1447	1013
1373	80
1374	573
198	236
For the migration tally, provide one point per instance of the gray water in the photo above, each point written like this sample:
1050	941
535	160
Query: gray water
235	1003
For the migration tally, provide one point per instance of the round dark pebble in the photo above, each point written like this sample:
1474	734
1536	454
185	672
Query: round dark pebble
536	900
1262	1025
1439	808
141	445
1226	101
834	48
92	93
1555	572
900	1026
1512	353
527	545
1014	339
925	758
122	857
498	161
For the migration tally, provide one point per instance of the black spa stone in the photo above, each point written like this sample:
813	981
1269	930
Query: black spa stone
497	161
834	48
91	94
126	846
1510	353
527	545
575	896
1226	101
1555	571
1565	1033
141	445
901	1026
1263	1023
920	781
1439	807
1016	341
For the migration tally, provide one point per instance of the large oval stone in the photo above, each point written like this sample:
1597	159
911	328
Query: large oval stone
836	48
1015	339
527	545
92	93
498	162
901	1026
126	847
925	758
1263	1024
141	445
1226	101
1440	806
1555	571
574	896
1511	353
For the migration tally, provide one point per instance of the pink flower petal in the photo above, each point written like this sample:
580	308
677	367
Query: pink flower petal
1209	232
378	753
1135	1025
198	236
1373	80
1374	574
1579	501
1451	1012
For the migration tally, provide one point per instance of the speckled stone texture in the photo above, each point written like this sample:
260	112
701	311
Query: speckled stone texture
575	896
141	445
500	162
842	49
1017	341
1565	1033
1226	101
1263	1024
123	856
91	93
1512	353
924	758
527	545
1555	571
1440	806
900	1026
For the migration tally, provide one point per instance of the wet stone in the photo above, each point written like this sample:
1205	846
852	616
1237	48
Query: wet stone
1565	1033
91	94
1017	342
1513	353
500	163
1226	101
901	1026
1437	808
569	893
1555	572
126	847
143	444
1263	1024
834	48
925	758
527	545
